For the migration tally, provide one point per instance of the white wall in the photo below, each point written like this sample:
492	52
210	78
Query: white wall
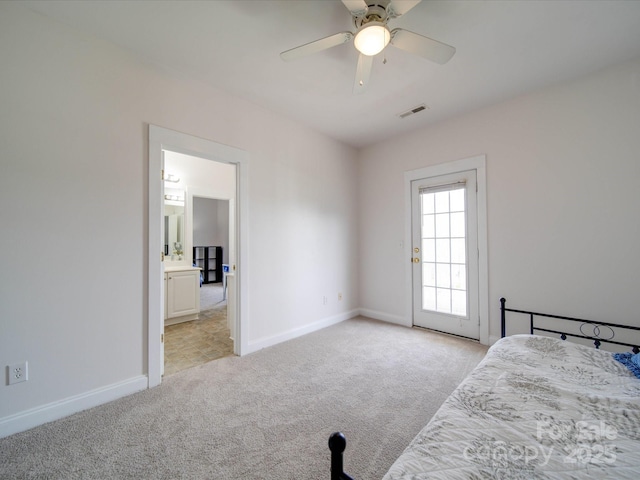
216	178
211	224
563	169
73	139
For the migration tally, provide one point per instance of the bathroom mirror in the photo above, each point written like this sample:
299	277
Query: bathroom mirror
174	238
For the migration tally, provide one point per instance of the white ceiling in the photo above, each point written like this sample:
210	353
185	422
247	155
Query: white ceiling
504	48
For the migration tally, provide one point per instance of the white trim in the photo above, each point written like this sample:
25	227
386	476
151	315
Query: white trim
164	139
478	164
299	332
53	411
155	302
385	317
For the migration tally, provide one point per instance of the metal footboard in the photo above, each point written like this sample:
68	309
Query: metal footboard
337	444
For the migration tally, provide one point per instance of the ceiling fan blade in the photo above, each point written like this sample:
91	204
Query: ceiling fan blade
358	8
317	46
363	72
424	46
400	7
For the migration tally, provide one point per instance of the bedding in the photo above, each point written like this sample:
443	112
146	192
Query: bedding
535	407
629	360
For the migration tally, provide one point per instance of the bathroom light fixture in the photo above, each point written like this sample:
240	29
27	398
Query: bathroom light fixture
171	178
372	38
174	198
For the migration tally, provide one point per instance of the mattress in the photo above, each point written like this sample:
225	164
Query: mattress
535	407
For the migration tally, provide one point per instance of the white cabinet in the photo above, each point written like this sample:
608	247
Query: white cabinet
182	294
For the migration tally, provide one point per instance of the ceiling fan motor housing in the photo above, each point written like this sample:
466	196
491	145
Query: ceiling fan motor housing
375	13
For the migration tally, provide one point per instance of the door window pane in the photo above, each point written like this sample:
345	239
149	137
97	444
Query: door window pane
428	203
457	224
443	300
429	274
442	225
457	200
442	202
442	250
428	250
428	226
458	277
458	250
458	302
443	275
429	298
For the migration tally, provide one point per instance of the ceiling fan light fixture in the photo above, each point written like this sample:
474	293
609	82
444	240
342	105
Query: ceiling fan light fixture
372	38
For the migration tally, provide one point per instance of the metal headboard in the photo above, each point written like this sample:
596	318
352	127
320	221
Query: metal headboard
589	329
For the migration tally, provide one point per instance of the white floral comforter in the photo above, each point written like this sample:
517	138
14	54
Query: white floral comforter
534	408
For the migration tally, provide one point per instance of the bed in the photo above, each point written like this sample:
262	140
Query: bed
535	407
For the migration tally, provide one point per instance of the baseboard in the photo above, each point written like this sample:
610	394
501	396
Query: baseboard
27	419
298	332
385	317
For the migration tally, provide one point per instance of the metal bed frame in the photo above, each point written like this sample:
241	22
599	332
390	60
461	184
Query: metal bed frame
598	332
337	444
589	329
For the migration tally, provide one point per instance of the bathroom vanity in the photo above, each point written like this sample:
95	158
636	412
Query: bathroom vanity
182	294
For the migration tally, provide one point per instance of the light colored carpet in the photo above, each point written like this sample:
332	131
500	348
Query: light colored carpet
263	416
211	296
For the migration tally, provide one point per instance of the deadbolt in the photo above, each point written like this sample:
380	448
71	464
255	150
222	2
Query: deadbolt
416	250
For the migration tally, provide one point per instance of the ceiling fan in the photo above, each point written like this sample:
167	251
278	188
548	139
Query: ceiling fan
372	35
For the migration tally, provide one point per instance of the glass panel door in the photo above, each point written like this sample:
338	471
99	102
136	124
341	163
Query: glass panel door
445	262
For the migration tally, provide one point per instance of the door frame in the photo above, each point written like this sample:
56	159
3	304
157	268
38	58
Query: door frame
477	163
164	139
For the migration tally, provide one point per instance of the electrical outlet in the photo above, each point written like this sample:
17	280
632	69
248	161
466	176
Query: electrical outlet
340	296
18	372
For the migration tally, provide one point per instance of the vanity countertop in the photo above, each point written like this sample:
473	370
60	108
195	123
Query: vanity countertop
183	268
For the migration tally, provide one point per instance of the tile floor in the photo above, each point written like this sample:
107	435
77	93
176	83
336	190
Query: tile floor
199	341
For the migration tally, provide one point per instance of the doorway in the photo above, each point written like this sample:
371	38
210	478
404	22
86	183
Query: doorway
162	140
446	232
208	190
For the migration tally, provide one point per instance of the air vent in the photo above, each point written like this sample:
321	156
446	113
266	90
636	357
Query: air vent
414	110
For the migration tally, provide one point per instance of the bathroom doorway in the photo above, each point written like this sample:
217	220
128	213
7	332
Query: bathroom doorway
208	190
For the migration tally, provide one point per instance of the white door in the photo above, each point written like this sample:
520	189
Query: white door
163	301
445	254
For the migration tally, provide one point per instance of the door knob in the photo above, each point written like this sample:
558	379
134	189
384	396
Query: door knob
415	260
